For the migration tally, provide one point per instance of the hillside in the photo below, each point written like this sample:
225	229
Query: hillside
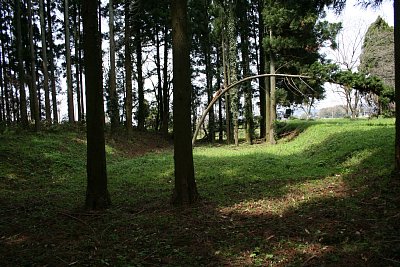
325	195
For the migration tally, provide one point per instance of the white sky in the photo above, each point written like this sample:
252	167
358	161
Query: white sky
353	19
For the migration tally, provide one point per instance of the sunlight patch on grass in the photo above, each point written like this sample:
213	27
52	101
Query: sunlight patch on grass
298	194
358	157
110	150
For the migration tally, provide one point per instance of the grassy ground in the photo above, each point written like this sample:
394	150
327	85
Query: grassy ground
324	196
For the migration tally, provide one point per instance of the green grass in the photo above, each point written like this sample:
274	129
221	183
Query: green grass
325	196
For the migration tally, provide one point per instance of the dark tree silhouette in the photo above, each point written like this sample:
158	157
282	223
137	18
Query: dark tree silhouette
185	191
97	196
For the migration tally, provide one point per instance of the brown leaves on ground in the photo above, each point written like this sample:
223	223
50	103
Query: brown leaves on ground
138	143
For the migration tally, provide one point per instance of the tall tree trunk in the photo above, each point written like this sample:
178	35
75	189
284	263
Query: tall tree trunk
160	108
165	89
219	85
267	106
2	98
97	196
128	69
70	94
185	191
209	78
209	75
247	91
21	71
5	85
233	74
76	30
114	110
44	58
272	97
227	94
248	94
38	87
141	106
81	83
261	70
32	94
52	68
397	80
16	106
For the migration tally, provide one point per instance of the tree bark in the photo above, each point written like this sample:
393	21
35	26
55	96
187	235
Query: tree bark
262	68
114	110
209	74
272	97
219	86
21	71
397	80
44	58
141	113
160	107
97	196
33	94
244	35
128	69
70	94
4	80
76	32
185	191
227	96
52	68
2	98
165	89
234	95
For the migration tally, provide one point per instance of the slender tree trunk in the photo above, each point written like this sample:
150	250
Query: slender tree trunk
128	69
194	112
38	87
32	94
267	107
209	78
209	75
76	31
165	118
219	85
233	74
5	85
45	62
141	115
80	62
273	97
247	86
2	102
97	196
160	107
227	95
185	191
397	80
70	94
21	71
16	106
52	68
262	69
114	110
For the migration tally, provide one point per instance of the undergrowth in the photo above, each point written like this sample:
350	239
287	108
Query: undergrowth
326	196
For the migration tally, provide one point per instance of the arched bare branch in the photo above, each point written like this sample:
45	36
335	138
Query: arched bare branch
224	90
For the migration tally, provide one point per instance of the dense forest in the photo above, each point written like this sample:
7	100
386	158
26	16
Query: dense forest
165	62
42	63
172	152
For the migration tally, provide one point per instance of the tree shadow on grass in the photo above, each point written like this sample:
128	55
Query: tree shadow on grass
332	204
